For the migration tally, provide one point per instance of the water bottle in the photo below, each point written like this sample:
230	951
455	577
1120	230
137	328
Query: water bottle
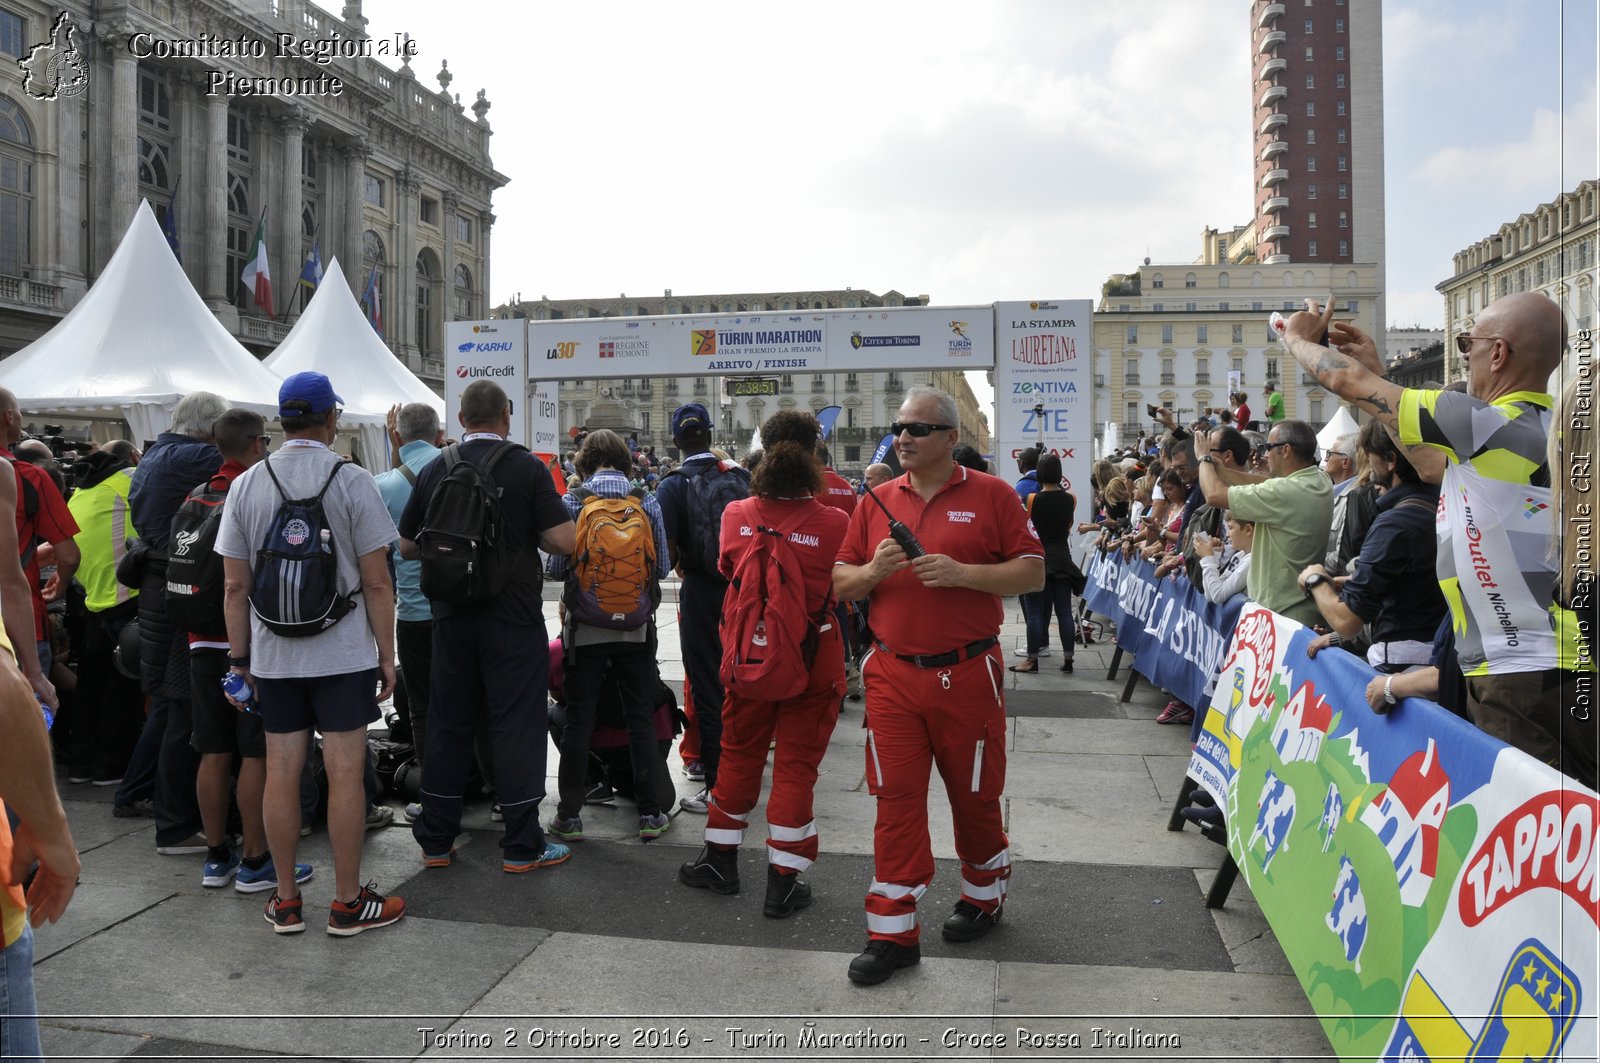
235	686
49	717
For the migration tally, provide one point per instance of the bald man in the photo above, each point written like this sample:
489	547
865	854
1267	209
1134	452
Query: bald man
877	474
1520	651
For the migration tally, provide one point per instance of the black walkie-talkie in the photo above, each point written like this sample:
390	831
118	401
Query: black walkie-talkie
897	531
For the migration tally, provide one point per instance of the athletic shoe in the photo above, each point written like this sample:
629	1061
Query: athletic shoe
694	771
216	873
969	922
568	830
285	915
379	816
305	830
880	959
696	804
600	793
653	827
144	808
79	776
441	860
108	780
554	853
265	877
413	811
495	815
368	911
1176	712
193	845
1024	652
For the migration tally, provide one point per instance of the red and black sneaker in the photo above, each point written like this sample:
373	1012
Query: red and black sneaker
284	915
370	909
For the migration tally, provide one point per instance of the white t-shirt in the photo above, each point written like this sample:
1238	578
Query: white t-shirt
360	524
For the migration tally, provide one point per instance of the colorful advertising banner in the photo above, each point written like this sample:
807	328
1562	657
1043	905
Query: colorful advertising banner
487	350
946	337
1176	637
1043	386
1435	890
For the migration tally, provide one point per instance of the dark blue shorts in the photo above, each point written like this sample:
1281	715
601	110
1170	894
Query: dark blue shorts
327	703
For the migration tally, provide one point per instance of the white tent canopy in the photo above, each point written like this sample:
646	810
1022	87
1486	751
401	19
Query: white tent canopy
334	338
1342	424
138	341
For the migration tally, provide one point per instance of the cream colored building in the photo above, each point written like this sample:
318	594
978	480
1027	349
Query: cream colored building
1550	249
1171	335
868	400
387	173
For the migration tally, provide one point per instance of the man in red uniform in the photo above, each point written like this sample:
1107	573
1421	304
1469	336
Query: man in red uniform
934	680
836	490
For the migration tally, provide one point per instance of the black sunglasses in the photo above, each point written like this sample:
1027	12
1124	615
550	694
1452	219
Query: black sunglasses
266	440
918	429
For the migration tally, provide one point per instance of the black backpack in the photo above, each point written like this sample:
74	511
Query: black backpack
707	491
194	568
295	586
466	559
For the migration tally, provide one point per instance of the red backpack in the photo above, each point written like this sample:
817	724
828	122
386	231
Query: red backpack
769	641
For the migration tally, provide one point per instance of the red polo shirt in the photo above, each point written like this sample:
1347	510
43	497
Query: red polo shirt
837	492
975	519
815	539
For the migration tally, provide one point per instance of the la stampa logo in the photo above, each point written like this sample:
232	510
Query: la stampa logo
55	69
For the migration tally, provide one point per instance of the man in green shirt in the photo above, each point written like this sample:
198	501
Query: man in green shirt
1292	511
1274	411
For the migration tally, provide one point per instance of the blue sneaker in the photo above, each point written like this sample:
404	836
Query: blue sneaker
216	873
554	853
266	877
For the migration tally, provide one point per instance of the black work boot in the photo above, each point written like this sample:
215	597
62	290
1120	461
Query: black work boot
969	923
881	959
786	894
716	870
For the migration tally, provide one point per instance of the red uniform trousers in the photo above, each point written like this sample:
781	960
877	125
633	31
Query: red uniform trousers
689	744
802	726
918	717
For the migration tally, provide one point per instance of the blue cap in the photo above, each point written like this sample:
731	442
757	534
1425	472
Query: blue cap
690	415
306	393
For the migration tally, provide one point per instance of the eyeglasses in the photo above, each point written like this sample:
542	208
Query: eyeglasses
1334	454
266	440
1275	446
918	429
1464	341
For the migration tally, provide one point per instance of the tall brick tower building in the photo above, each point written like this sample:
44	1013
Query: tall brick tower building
1317	91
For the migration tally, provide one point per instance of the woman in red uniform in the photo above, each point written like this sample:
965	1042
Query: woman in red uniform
781	496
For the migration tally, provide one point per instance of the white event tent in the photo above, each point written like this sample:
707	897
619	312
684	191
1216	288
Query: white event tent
333	337
1342	424
139	340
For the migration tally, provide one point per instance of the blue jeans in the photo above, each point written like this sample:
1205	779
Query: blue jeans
19	1033
1036	609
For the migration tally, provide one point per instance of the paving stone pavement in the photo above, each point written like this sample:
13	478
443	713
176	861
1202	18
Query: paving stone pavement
1106	949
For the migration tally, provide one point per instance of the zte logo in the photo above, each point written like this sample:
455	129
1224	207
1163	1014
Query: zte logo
562	350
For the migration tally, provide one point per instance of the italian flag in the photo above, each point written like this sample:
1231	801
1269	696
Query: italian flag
256	276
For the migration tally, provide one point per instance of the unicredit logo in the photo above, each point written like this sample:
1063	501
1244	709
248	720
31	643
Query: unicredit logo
461	370
486	370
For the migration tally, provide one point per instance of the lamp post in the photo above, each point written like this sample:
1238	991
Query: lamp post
730	443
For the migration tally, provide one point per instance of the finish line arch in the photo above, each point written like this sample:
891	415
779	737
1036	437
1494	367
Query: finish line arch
1040	351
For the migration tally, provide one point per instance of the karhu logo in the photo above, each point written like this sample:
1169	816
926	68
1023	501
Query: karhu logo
184	541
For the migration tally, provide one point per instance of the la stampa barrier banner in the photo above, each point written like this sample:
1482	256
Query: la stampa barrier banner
1435	890
1177	638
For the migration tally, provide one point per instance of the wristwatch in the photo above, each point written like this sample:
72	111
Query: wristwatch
1314	580
1208	459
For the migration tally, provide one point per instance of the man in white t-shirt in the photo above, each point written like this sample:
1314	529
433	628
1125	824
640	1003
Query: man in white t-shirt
331	681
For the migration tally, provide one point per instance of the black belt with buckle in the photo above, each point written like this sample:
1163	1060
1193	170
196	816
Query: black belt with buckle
944	660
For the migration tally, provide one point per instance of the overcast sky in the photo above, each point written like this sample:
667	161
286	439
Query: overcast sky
974	152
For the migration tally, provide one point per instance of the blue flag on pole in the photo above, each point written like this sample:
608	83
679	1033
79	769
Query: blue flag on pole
826	418
371	302
311	273
169	224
